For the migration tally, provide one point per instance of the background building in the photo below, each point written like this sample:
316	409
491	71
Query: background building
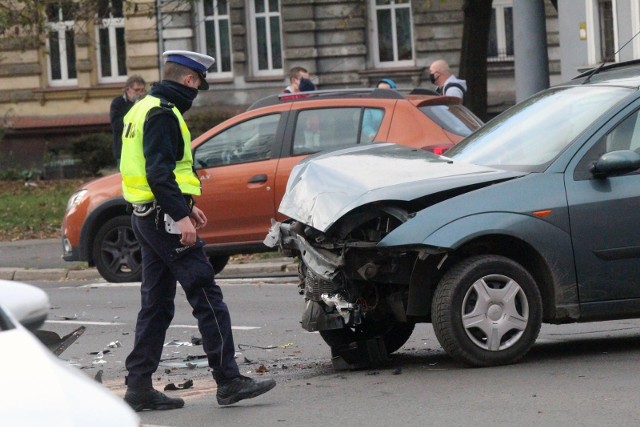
593	31
61	88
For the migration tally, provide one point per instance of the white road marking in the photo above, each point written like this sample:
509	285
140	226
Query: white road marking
237	328
266	281
82	322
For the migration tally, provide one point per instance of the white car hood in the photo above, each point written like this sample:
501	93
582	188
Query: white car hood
325	187
42	391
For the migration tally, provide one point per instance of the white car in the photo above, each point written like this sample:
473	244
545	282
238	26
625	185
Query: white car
40	390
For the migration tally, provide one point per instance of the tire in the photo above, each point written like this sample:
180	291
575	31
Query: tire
393	334
497	329
116	251
218	262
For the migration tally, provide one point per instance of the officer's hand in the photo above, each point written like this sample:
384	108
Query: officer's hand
199	219
187	231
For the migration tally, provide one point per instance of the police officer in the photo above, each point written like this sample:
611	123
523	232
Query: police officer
159	181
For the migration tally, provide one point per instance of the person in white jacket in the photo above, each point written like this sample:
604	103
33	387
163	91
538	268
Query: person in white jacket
447	83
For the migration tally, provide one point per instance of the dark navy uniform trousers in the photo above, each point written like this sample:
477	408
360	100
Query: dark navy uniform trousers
165	261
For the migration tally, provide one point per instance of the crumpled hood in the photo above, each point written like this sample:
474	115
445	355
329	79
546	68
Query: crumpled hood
324	187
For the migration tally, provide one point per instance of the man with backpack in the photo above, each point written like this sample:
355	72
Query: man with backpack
447	84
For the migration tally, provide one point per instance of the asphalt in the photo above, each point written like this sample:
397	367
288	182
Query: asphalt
31	260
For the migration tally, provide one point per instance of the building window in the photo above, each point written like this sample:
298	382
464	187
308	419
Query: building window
391	33
112	61
60	44
607	42
266	46
602	40
215	35
501	32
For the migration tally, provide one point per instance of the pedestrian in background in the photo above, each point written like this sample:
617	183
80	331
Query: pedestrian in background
296	74
134	90
159	181
302	84
447	83
386	84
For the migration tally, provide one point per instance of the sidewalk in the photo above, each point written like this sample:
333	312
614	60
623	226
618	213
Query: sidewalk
31	260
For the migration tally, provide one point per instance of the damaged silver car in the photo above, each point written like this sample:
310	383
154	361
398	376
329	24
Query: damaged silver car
531	219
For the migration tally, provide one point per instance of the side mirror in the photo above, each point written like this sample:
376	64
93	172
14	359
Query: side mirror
616	163
28	304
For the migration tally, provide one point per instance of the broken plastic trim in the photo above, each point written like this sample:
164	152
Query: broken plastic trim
58	344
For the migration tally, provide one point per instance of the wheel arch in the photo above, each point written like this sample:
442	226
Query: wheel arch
524	254
428	272
107	210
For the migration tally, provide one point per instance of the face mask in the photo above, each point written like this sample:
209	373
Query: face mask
190	92
136	98
432	78
306	85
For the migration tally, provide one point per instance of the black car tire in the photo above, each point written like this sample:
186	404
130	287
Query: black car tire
116	251
393	334
218	262
487	293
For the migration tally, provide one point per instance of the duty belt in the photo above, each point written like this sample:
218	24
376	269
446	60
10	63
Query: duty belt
144	209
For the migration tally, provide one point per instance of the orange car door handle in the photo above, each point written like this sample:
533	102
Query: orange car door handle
257	179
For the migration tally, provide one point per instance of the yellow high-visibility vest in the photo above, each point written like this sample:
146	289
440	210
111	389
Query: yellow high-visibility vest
132	162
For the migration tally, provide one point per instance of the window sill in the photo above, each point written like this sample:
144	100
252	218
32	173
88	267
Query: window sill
264	79
76	93
390	72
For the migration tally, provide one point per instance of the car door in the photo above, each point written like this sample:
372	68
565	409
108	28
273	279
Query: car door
237	168
605	220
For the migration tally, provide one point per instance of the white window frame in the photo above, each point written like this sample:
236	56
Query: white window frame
501	29
60	27
373	35
254	42
111	24
202	39
593	35
635	26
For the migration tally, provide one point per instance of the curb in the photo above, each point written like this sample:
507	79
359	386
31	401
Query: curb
280	266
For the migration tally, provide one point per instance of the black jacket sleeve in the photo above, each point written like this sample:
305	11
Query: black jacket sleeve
116	115
162	145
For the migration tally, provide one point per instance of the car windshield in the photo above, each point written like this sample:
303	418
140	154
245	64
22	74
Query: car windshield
530	135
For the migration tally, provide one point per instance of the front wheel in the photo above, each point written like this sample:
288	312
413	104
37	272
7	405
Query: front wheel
394	334
116	251
487	311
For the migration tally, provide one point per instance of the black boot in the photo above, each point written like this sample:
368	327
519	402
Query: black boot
149	398
242	387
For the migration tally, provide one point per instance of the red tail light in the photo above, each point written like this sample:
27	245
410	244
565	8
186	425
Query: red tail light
438	149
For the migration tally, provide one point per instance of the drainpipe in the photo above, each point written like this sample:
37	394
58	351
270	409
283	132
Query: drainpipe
160	35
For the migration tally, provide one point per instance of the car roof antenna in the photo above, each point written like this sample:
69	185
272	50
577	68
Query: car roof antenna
607	59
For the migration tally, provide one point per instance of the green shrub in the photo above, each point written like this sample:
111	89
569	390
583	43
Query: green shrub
13	174
202	119
94	151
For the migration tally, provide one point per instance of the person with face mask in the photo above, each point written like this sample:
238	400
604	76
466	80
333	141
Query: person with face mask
134	90
296	75
447	83
298	85
159	182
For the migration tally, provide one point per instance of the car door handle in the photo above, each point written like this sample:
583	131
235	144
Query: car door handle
257	179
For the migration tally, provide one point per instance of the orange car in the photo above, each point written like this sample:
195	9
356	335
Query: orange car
244	163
